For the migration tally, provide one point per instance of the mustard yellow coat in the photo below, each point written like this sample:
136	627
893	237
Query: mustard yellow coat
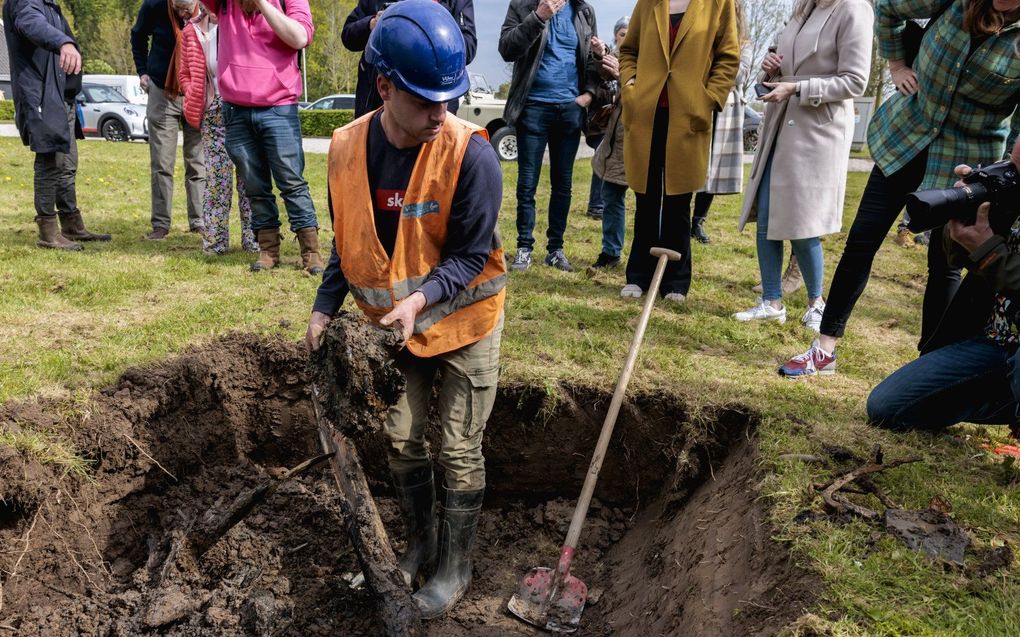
698	73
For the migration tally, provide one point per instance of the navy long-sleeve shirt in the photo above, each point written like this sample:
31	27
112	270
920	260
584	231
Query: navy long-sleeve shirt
153	22
470	229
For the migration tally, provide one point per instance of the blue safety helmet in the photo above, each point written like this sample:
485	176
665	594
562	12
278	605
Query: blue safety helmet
418	46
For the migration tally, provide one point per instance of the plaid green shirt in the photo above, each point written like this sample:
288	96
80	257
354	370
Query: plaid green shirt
963	107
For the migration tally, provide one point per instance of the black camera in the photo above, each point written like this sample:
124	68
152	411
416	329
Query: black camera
997	183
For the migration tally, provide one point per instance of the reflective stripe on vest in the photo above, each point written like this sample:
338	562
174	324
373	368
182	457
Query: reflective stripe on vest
432	315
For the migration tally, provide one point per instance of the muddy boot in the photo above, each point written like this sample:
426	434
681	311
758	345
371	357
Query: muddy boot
308	239
792	278
269	250
698	230
50	237
457	536
416	496
72	226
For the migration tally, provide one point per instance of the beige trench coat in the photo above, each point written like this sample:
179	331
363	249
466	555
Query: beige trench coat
829	56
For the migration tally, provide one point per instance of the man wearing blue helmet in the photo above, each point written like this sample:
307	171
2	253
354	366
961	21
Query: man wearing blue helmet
415	194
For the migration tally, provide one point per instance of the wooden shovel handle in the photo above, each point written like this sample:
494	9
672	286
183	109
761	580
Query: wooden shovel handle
614	407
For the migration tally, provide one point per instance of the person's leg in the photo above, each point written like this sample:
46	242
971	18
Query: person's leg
67	163
244	208
883	199
194	165
675	234
218	182
564	138
406	420
811	261
162	156
280	131
532	136
596	201
47	175
963	382
249	158
702	203
648	212
770	253
943	282
614	218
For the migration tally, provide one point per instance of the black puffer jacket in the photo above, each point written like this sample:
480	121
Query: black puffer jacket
35	31
355	34
522	41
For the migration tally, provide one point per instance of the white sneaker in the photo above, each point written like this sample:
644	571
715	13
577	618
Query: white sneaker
631	291
674	297
762	312
812	319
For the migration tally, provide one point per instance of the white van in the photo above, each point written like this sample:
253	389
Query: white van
127	85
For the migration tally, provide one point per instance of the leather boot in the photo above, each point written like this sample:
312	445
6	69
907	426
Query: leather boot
416	496
698	230
456	537
72	226
269	250
50	237
308	240
792	278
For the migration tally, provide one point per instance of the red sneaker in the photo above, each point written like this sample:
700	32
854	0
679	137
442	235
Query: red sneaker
814	361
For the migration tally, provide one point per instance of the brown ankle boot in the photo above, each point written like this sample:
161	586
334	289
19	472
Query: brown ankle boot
792	278
308	239
72	226
50	237
269	250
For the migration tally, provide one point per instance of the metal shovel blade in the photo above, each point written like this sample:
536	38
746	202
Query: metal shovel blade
559	610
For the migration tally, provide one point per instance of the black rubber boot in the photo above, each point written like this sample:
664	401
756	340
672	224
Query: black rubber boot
698	230
457	536
416	496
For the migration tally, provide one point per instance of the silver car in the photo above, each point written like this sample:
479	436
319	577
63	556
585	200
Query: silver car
108	114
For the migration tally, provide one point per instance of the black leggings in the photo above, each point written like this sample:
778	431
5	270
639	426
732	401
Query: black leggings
883	199
662	221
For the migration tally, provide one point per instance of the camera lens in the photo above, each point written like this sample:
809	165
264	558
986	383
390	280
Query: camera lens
934	208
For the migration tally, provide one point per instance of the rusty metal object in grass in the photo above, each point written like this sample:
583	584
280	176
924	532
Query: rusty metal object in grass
553	598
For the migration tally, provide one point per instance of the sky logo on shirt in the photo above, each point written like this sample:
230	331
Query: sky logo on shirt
389	200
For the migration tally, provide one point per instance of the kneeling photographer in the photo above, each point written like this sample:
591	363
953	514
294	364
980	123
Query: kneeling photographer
967	371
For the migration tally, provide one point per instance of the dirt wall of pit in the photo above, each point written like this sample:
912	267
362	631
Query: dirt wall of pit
675	540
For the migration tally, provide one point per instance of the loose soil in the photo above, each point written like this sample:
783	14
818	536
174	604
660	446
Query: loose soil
675	544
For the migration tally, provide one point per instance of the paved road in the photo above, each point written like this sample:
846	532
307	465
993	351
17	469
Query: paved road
320	145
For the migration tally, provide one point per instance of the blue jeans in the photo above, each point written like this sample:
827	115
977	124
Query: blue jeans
595	196
974	380
770	252
614	217
265	145
559	127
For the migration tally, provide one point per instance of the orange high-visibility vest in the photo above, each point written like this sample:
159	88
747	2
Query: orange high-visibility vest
377	282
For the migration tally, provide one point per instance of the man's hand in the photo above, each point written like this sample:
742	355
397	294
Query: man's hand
903	77
316	325
771	64
583	100
143	81
973	236
70	59
781	91
598	47
611	66
374	21
406	312
548	8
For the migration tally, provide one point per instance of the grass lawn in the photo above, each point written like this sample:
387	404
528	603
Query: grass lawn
71	323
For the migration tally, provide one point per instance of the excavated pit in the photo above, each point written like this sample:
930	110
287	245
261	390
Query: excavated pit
676	542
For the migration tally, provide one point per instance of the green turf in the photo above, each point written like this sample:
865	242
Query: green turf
71	323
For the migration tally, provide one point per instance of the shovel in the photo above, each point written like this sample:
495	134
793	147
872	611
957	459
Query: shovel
554	599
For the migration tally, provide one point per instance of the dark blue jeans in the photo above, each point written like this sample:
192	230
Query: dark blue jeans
974	380
595	200
265	145
559	127
614	217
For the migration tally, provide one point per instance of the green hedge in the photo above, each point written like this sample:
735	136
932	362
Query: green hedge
323	123
6	110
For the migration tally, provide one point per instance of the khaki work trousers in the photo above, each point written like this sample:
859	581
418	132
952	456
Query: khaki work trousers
467	392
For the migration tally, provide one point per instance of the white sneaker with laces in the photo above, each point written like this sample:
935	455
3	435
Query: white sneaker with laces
762	312
631	291
812	319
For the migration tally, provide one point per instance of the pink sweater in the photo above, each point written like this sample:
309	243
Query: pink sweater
255	67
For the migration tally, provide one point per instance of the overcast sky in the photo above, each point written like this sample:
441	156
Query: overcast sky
489	16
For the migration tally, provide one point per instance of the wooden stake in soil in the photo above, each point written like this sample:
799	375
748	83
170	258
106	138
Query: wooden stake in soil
398	612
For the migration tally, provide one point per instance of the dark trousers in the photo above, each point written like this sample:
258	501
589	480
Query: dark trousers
557	126
660	220
55	175
702	202
883	199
